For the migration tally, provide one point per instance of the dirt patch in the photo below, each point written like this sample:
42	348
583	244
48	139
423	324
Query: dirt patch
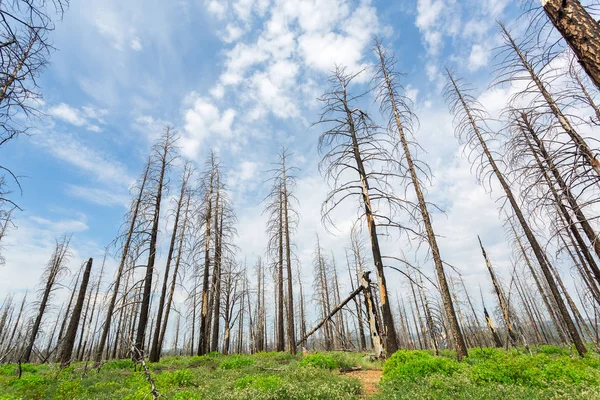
369	379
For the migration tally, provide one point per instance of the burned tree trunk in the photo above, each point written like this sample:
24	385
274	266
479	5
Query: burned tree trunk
163	149
67	349
113	299
581	32
55	267
156	340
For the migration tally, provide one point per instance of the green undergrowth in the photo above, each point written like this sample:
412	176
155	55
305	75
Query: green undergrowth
213	376
550	372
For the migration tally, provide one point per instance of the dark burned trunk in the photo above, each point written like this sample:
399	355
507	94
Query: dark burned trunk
113	300
175	275
156	340
581	32
288	258
145	308
203	344
391	343
67	349
280	300
217	274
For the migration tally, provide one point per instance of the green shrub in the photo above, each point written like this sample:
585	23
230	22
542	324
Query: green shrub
8	370
319	361
553	350
178	378
118	364
406	364
31	387
346	360
236	362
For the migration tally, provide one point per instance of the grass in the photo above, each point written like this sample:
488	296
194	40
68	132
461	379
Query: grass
550	373
259	376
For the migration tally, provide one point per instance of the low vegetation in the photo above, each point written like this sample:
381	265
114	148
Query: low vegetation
550	372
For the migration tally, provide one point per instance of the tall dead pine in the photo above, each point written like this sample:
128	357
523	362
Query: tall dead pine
393	103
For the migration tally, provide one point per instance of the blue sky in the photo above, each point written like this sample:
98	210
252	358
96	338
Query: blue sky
240	77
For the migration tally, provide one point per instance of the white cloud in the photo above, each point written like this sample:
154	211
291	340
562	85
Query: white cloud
232	33
68	114
478	57
87	116
136	44
70	150
202	120
99	196
216	7
295	40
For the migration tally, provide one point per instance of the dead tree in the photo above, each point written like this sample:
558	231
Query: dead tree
354	144
55	268
282	222
178	262
471	127
581	32
321	293
514	65
395	106
500	295
207	185
156	339
67	348
164	153
25	49
134	221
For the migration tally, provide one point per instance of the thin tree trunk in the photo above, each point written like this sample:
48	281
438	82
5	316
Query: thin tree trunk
143	318
461	347
113	300
156	340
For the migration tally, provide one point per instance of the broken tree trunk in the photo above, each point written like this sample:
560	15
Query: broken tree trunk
366	289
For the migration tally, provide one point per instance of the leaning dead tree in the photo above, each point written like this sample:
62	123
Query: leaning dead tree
581	32
395	106
54	270
471	127
365	289
69	343
358	164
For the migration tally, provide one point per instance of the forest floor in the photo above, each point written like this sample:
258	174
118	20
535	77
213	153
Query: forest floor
549	372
